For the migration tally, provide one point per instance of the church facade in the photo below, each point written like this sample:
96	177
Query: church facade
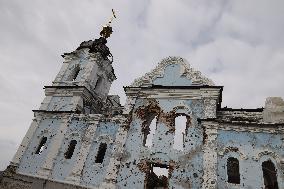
172	132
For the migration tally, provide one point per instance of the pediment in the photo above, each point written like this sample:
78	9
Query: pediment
173	71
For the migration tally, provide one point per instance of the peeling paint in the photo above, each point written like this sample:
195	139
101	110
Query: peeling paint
77	107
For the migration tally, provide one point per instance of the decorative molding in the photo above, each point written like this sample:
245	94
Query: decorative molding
243	127
229	149
256	129
269	153
195	76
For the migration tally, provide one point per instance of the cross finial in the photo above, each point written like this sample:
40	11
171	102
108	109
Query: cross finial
107	29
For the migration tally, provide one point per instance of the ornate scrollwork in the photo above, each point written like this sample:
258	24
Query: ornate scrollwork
195	76
230	149
269	153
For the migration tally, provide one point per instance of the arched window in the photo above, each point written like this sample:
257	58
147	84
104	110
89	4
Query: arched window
101	153
68	154
74	73
269	175
233	170
98	82
180	128
41	145
149	133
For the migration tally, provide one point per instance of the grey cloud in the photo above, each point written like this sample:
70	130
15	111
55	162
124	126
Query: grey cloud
8	148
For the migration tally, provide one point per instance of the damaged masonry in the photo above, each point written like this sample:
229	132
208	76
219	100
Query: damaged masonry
171	133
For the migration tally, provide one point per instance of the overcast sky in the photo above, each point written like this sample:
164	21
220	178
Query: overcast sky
238	44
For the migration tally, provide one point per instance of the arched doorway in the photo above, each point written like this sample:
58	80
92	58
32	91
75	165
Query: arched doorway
269	175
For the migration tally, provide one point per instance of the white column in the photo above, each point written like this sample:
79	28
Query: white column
87	140
210	159
113	167
26	141
55	145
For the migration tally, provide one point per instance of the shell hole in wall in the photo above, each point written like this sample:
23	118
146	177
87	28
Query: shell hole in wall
148	139
41	145
180	128
269	175
69	153
157	176
101	153
233	170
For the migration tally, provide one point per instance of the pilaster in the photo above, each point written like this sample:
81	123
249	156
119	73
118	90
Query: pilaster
87	140
210	158
55	145
113	167
26	141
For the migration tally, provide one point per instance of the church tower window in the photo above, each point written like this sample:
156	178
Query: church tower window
101	153
74	73
69	153
41	145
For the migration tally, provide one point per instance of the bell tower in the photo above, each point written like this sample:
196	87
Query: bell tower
77	95
84	80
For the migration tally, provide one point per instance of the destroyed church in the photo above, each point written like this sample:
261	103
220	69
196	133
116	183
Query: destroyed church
172	132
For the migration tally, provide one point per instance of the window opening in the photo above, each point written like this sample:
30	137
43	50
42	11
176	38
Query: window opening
233	170
41	145
150	132
87	107
101	153
69	153
158	176
180	128
269	175
74	74
98	82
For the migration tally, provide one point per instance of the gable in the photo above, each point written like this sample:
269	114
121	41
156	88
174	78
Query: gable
172	71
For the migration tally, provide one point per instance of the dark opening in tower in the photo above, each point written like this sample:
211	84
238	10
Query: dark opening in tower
41	145
69	153
101	153
74	73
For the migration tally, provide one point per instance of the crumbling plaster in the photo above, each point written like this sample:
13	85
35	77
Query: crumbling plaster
251	149
187	165
173	88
